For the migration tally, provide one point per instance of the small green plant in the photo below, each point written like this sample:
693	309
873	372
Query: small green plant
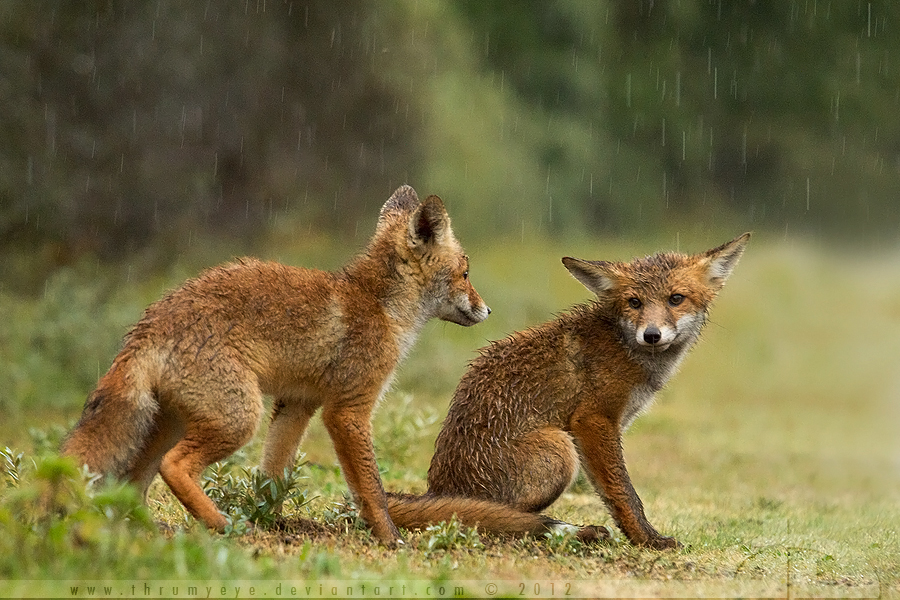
344	514
402	426
57	507
450	535
255	498
46	441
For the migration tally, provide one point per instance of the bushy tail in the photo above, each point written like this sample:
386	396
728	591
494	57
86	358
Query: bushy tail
418	512
117	420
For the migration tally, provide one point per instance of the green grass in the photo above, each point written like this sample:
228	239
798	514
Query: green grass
773	456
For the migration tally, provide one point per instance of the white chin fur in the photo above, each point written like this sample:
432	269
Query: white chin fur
656	347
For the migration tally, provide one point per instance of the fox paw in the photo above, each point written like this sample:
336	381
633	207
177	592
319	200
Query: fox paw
662	543
396	544
592	534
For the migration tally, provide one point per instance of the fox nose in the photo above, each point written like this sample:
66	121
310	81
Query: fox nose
652	335
488	308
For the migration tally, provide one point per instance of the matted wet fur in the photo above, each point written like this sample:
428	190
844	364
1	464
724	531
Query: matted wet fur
536	406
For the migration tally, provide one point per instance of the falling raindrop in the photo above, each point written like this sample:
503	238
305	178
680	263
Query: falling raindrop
665	188
744	149
628	90
869	22
678	88
183	122
807	194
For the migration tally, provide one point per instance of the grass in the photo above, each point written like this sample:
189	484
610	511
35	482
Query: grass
773	455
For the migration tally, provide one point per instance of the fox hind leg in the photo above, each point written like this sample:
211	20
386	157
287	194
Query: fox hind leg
546	463
167	430
550	468
527	476
209	437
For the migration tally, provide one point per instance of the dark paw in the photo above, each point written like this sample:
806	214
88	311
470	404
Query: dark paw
592	534
395	544
390	538
662	543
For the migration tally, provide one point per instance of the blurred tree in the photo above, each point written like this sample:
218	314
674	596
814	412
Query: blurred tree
126	122
756	101
749	106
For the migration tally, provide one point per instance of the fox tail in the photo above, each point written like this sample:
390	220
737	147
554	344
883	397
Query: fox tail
117	420
417	512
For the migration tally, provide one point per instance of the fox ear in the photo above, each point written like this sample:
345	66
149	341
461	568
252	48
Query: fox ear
404	199
722	260
429	222
595	275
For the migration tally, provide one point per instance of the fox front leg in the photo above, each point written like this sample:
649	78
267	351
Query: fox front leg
600	445
350	429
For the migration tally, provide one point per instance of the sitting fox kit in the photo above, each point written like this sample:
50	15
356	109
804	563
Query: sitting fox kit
533	407
187	388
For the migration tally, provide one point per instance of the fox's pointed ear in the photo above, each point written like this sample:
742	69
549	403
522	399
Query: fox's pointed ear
404	199
595	275
429	223
722	260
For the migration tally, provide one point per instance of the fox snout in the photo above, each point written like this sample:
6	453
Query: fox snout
467	309
654	328
658	337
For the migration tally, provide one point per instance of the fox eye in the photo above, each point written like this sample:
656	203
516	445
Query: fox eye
676	299
634	303
465	274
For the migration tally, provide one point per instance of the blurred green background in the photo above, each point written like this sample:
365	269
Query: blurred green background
135	127
143	141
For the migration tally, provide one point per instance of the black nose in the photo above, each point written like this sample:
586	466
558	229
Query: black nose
488	309
652	335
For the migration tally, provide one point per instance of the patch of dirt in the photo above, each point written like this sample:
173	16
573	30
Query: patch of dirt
296	530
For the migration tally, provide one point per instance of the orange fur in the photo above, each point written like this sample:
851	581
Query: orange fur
535	406
187	388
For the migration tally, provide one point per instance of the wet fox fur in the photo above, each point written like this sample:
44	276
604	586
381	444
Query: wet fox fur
187	388
533	407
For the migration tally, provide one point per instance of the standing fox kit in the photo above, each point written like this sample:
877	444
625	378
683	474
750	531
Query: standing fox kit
534	406
187	388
